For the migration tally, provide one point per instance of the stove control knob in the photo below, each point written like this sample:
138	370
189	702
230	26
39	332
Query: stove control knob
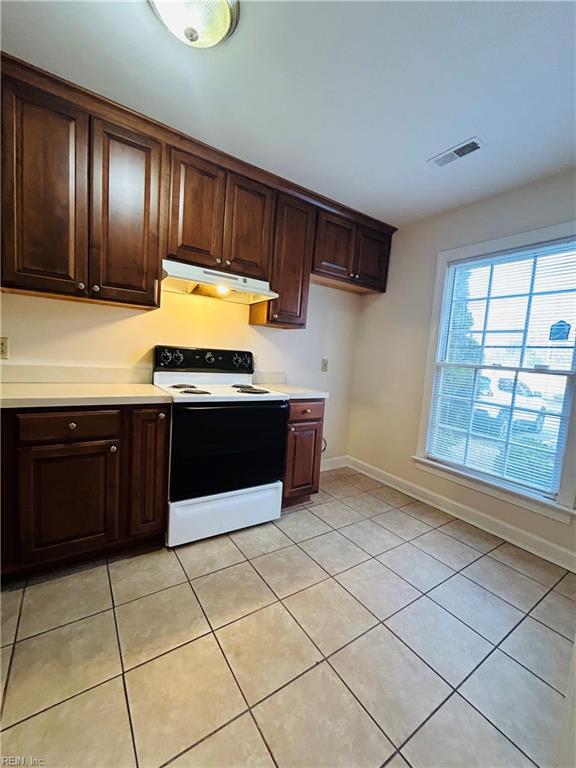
178	357
165	357
209	357
237	359
246	361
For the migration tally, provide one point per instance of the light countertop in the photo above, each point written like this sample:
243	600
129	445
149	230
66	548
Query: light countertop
38	395
297	392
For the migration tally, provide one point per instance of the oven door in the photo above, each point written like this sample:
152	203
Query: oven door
226	446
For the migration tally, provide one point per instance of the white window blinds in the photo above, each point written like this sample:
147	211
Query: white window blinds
506	366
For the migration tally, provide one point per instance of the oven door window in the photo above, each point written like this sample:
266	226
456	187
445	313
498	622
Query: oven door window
226	447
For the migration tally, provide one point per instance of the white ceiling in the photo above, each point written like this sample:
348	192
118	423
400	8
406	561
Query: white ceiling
347	98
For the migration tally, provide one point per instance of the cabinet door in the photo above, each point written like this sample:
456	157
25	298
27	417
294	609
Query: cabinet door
196	210
69	499
149	470
248	227
334	249
292	261
125	208
45	191
372	257
303	458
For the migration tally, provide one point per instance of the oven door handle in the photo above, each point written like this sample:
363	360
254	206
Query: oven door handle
273	405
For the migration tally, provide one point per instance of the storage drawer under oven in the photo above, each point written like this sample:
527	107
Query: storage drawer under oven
62	426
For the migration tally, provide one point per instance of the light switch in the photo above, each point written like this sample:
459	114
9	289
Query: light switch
324	364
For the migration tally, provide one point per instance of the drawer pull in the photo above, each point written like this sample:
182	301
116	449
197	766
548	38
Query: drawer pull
113	448
227	262
275	316
95	288
218	260
161	416
72	425
292	429
81	286
307	410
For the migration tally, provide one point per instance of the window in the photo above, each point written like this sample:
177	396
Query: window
505	369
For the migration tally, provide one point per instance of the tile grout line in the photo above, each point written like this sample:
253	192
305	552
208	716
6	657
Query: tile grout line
13	650
124	687
217	639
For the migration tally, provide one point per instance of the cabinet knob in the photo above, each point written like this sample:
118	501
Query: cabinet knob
72	425
227	263
113	448
95	288
161	416
292	429
275	316
307	410
351	274
357	277
218	261
81	286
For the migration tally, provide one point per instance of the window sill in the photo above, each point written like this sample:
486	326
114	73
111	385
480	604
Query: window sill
540	506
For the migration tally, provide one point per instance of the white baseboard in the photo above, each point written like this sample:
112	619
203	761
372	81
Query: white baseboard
334	463
562	556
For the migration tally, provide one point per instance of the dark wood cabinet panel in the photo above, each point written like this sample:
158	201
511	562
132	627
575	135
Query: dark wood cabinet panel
249	216
125	211
372	257
63	426
291	265
149	470
196	224
68	498
334	249
45	191
303	458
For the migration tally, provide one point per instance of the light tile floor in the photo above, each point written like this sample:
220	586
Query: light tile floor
366	629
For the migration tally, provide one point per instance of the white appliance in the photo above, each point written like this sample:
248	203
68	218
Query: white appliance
178	277
227	444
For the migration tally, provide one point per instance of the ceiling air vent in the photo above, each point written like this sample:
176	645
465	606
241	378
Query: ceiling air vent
444	158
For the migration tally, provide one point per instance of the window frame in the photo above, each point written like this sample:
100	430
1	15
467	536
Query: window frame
563	508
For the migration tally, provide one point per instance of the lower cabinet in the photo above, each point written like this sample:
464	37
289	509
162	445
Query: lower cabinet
79	483
149	470
303	450
69	498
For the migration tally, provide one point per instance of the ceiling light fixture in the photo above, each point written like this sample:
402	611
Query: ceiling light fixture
199	23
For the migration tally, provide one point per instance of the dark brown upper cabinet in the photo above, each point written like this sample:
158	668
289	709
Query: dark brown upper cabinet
372	257
125	210
334	249
45	191
249	216
351	254
291	264
196	217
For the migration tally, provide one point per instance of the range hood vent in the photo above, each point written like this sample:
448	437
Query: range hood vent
178	277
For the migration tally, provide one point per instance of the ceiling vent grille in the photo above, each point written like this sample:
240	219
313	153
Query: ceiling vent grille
461	150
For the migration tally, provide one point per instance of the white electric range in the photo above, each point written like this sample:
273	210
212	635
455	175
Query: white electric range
227	445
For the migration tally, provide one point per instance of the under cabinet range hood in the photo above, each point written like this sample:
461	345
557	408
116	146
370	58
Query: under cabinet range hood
178	277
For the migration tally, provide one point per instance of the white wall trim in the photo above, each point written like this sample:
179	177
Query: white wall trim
562	556
335	462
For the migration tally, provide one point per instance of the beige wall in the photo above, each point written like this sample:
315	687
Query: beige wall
392	339
50	331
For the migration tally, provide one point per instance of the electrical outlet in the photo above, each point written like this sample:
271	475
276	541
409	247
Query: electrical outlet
324	364
4	348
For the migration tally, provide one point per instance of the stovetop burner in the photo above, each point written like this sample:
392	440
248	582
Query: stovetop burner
183	386
248	389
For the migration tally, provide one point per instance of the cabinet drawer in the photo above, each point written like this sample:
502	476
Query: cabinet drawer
70	425
306	410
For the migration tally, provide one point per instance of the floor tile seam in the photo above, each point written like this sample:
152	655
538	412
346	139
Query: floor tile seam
122	667
523	573
11	661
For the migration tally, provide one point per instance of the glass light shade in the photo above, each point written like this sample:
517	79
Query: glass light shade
199	23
